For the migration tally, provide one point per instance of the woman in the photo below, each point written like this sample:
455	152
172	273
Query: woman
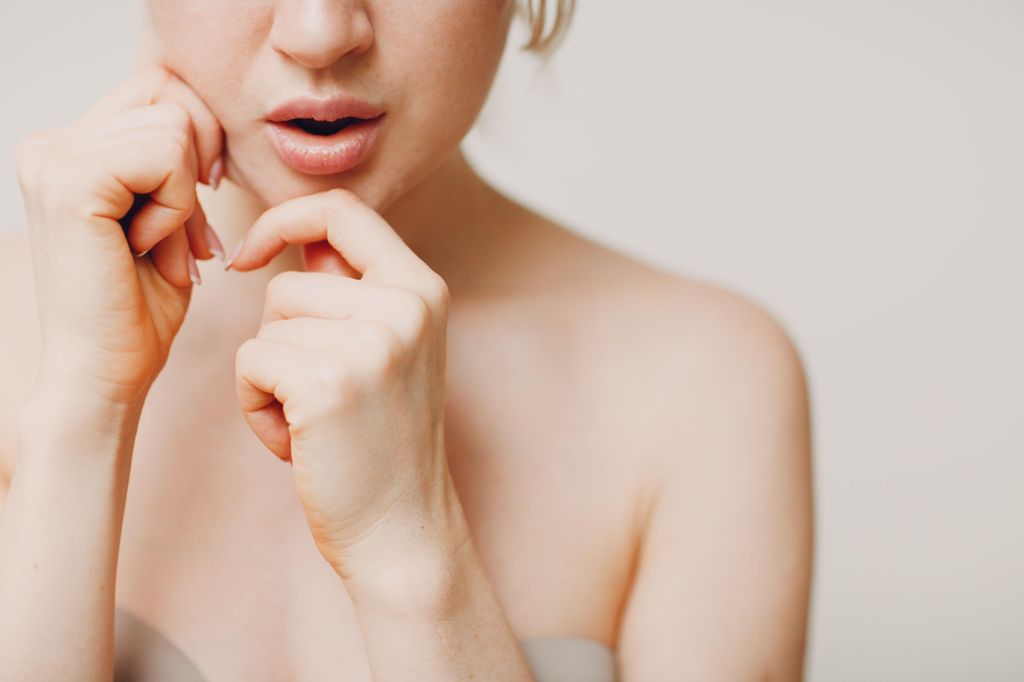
514	450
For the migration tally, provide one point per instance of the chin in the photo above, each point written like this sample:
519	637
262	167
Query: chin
380	179
271	182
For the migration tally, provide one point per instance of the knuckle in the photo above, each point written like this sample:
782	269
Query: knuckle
270	330
36	167
154	81
174	144
154	76
436	290
414	312
444	294
27	144
379	345
180	137
339	199
332	379
342	195
244	353
30	149
278	287
175	114
26	155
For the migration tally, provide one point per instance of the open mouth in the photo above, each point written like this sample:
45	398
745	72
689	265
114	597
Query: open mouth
323	128
324	147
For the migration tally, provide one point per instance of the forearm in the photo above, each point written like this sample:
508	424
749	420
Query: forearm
59	537
430	613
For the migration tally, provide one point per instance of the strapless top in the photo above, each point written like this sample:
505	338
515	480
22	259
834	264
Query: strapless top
154	658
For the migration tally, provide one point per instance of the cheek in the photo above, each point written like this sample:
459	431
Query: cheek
451	66
210	44
443	75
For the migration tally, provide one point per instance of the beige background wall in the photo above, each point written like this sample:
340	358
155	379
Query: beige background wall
858	167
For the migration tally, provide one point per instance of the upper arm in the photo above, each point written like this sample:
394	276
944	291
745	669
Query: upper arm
722	583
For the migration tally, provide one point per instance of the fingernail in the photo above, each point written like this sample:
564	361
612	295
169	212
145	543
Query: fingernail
193	269
140	254
214	242
234	254
216	173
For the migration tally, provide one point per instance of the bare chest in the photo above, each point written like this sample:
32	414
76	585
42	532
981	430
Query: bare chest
217	557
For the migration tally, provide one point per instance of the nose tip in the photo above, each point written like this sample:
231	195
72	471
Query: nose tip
317	33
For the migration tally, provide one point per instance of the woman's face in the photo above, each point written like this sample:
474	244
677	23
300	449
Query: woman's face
427	64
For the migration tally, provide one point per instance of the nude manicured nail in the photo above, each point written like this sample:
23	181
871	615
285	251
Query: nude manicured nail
234	254
193	269
214	242
216	173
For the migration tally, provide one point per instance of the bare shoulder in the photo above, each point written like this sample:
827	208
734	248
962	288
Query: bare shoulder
709	391
19	340
734	358
681	351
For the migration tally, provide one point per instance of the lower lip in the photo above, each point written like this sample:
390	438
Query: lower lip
324	154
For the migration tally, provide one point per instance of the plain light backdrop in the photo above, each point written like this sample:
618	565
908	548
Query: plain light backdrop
857	167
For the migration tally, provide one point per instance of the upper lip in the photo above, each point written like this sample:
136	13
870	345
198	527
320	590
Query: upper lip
324	109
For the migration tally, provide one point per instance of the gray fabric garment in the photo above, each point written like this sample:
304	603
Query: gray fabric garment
569	659
150	656
154	658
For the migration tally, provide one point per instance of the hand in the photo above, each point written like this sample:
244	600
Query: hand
345	378
107	316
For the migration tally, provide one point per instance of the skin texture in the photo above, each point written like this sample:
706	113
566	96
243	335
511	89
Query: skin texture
429	65
636	472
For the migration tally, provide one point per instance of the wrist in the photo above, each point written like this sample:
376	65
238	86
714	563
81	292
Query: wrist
59	413
416	570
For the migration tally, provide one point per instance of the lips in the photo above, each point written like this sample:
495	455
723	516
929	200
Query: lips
324	136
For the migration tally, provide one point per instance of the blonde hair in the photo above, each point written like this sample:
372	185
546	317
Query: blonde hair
537	20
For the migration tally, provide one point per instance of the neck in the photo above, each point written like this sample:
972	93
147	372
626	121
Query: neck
452	220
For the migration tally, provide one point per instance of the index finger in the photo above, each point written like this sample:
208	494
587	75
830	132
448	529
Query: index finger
357	232
155	84
135	91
